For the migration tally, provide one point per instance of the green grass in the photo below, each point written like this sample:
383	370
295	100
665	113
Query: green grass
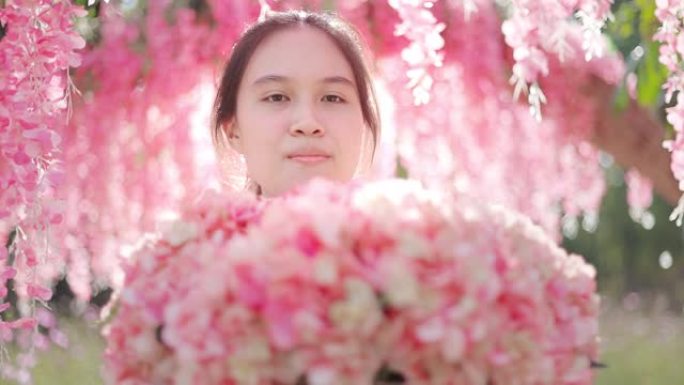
639	349
79	364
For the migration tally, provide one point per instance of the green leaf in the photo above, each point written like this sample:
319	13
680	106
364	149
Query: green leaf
647	22
621	98
401	172
651	74
329	5
623	26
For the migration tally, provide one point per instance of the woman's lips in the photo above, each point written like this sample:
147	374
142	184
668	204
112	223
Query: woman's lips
309	159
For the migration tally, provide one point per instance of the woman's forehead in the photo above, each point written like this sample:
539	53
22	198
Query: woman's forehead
298	54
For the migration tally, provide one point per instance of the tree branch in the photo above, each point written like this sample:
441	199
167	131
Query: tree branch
634	138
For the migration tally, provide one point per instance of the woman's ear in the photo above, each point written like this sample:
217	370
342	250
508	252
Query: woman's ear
233	134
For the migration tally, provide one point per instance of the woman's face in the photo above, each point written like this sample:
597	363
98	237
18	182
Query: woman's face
298	112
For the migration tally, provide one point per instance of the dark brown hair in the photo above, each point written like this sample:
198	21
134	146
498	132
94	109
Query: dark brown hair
345	37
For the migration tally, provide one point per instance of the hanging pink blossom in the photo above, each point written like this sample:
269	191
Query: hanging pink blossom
150	134
670	35
423	53
639	193
474	138
36	52
138	148
536	29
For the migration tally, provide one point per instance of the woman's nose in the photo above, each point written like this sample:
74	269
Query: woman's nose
305	123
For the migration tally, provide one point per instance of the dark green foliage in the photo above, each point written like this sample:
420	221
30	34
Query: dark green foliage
93	9
626	255
632	34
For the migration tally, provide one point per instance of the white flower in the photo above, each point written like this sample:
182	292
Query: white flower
401	286
146	346
431	330
413	245
179	232
453	345
325	270
322	375
360	311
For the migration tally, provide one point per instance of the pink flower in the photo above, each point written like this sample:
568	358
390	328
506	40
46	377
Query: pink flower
39	292
415	279
671	37
639	191
423	30
536	31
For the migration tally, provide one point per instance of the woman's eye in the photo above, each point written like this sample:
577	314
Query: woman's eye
333	99
276	98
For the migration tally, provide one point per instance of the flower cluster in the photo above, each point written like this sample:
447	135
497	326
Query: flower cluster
164	270
331	283
671	36
474	137
536	28
150	135
37	50
38	46
423	30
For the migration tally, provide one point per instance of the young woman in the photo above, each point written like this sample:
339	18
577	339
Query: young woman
296	101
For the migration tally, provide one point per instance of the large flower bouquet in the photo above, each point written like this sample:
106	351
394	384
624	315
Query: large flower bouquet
334	285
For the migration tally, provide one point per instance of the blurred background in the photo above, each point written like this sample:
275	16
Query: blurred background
139	121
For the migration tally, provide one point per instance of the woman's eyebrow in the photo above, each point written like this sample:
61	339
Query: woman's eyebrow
270	79
338	80
284	79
